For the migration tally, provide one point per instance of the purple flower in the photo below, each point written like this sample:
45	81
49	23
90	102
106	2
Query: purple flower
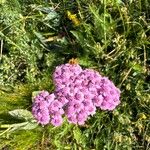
66	72
44	119
70	110
50	98
91	110
56	120
105	105
40	108
98	100
72	119
77	95
63	100
55	106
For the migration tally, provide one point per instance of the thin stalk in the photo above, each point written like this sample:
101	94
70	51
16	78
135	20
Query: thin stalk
105	37
1	52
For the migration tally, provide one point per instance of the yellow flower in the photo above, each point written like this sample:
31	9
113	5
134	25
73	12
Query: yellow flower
142	116
73	18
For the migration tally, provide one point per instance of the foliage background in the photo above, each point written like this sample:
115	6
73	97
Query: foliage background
111	36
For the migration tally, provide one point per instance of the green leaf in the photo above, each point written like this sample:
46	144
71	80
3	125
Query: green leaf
18	126
78	36
21	114
29	126
51	16
43	9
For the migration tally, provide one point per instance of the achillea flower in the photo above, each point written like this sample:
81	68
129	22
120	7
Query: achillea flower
40	108
73	119
86	86
56	120
97	100
78	93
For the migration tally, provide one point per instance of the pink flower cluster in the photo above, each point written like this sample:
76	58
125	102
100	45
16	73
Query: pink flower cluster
46	108
77	95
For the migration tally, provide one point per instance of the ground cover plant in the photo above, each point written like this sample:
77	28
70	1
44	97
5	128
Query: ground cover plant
109	36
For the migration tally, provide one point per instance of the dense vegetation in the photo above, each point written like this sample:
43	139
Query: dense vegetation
110	36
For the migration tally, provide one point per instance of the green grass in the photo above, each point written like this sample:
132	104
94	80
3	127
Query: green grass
112	37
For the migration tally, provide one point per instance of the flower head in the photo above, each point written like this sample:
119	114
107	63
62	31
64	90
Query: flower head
78	94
